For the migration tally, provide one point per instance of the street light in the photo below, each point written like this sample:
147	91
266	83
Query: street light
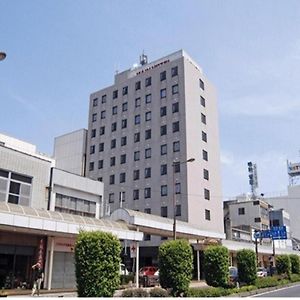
176	163
2	55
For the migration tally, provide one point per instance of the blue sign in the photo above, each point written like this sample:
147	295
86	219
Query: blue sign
275	233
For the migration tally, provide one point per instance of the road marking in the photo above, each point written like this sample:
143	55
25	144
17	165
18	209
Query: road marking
268	292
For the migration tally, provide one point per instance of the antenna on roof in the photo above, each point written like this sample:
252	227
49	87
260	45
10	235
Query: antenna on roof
143	59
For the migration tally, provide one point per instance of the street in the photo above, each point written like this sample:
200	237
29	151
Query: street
292	291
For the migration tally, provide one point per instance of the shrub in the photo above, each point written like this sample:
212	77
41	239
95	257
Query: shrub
283	264
125	279
135	293
97	259
266	282
295	277
158	292
246	263
295	264
207	292
216	266
175	266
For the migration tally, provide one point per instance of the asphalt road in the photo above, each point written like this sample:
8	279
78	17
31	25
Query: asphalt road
292	291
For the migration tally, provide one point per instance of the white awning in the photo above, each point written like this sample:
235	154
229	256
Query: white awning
30	220
160	226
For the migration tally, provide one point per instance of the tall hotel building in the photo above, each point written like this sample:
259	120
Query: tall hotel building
153	115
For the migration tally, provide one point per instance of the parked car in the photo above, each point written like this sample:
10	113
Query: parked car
262	272
233	274
149	276
123	270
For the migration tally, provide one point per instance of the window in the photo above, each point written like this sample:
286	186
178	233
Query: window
111	198
136	194
137	119
91	167
113	161
112	179
125	90
164	190
102	130
148	98
148	134
123	159
176	168
148	116
148	153
147	192
125	106
163	130
100	164
207	214
175	107
113	144
163	93
176	146
205	174
94	117
203	118
202	101
178	210
103	114
115	94
148	81
164	211
115	110
241	210
137	85
147	237
95	102
163	111
206	194
101	147
137	102
122	177
163	76
147	210
147	172
114	126
201	84
177	188
136	155
205	155
93	133
124	123
257	220
136	137
163	169
174	71
204	136
123	140
163	149
136	174
103	99
92	149
100	179
175	89
255	202
176	126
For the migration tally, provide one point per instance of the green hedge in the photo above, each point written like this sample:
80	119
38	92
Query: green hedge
216	266
246	264
158	292
295	264
97	263
175	259
283	264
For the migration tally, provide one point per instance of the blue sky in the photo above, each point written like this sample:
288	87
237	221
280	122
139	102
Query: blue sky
60	51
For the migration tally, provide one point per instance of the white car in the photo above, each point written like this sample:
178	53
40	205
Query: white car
123	270
261	272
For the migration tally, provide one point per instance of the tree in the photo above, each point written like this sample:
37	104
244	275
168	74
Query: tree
216	267
175	266
283	264
97	260
246	263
